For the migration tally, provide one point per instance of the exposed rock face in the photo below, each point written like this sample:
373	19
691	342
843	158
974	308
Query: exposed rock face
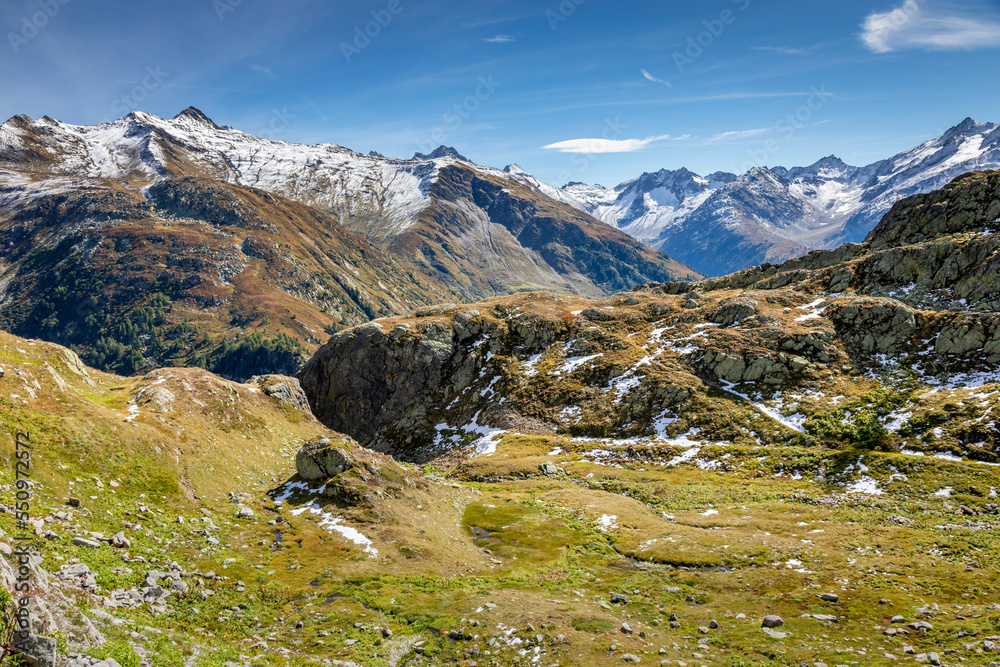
871	326
970	203
373	380
733	311
322	459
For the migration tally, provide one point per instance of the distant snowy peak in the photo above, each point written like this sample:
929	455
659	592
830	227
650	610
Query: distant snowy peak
644	206
828	168
817	206
518	174
143	147
442	152
195	115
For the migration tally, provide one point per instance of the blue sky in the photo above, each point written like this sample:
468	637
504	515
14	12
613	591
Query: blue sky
571	90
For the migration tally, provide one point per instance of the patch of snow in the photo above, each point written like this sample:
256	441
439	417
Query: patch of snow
572	363
865	484
607	522
793	422
530	364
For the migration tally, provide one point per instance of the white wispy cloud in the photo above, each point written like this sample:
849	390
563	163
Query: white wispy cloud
260	69
595	146
913	26
784	50
740	134
501	39
655	79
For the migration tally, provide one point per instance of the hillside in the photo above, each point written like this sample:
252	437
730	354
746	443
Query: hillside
191	272
780	467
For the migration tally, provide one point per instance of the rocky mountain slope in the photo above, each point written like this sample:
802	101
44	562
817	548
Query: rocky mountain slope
916	303
722	223
789	465
191	272
410	208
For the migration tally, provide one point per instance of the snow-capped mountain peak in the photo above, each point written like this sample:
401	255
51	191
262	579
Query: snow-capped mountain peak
196	116
442	152
784	211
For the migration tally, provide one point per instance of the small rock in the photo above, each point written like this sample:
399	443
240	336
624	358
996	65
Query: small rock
84	542
627	628
772	621
618	598
829	597
629	657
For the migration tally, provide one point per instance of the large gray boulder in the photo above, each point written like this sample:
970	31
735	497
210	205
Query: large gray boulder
322	459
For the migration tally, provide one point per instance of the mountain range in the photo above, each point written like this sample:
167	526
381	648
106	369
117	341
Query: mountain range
148	241
722	222
221	249
530	478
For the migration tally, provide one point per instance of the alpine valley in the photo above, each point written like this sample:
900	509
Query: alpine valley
295	405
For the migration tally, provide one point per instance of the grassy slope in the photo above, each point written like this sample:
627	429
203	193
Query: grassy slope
549	556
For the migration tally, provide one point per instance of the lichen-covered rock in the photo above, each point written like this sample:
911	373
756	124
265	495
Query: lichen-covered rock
873	326
969	203
284	389
732	311
322	459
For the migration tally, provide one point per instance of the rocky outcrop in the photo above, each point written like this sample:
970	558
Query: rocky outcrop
970	203
732	311
323	458
286	390
874	326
